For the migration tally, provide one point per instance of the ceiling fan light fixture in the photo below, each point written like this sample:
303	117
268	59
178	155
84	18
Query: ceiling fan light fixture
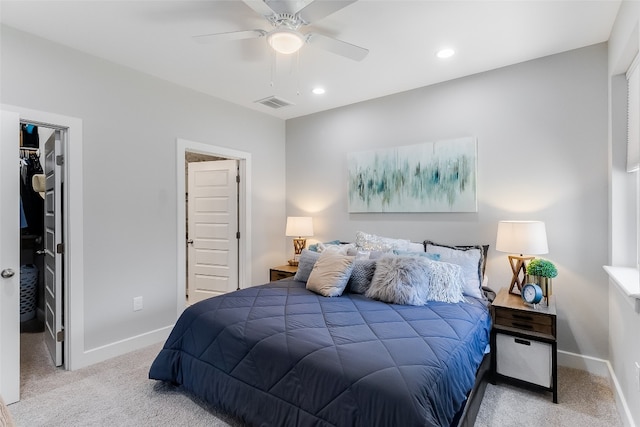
286	41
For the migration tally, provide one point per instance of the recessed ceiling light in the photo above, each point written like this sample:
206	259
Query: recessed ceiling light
318	90
445	53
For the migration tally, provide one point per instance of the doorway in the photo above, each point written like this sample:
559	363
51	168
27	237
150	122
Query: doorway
73	345
42	148
212	225
185	149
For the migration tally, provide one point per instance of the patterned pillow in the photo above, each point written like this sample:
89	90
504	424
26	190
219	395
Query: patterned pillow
363	270
371	242
330	274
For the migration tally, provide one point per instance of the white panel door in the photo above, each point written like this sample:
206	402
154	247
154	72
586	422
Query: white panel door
9	258
52	240
212	244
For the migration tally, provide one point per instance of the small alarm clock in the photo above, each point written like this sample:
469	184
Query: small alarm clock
531	293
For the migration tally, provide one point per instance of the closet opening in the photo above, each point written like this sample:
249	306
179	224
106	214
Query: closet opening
42	249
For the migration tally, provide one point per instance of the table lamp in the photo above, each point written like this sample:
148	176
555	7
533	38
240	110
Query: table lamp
521	237
298	226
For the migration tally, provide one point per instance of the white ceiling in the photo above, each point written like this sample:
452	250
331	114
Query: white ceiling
402	36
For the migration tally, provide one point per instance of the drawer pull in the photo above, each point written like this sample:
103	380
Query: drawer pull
523	342
521	325
521	317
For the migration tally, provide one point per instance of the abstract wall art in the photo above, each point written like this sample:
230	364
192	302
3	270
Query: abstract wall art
429	177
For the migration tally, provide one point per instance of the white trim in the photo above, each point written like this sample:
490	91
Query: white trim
627	281
593	365
74	261
182	146
602	368
118	348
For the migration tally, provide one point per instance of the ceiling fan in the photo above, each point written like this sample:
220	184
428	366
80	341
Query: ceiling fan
287	17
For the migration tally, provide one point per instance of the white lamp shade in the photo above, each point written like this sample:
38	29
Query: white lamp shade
299	226
522	237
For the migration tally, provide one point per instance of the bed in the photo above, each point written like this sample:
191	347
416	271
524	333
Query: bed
281	354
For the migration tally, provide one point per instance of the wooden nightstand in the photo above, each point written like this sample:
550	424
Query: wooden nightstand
524	342
282	272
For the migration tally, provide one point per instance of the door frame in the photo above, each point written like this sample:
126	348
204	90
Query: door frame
244	209
74	356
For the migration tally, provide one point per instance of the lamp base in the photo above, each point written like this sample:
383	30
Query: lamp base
298	245
293	262
518	264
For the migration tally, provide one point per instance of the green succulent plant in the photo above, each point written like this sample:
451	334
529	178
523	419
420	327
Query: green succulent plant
542	267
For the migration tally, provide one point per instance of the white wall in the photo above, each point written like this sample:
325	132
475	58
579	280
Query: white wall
542	154
131	122
624	320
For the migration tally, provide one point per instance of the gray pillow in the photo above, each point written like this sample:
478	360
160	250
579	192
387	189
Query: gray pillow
330	274
400	280
361	275
305	264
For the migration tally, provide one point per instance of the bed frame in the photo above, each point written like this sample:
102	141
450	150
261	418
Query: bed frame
467	415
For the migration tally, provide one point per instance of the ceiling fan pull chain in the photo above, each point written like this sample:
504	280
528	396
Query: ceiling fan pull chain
298	73
273	62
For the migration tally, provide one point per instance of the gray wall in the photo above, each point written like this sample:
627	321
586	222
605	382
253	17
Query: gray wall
131	122
542	154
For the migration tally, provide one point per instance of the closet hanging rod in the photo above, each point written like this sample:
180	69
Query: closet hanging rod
29	149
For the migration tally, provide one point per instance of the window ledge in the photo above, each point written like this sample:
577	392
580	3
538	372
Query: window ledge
627	279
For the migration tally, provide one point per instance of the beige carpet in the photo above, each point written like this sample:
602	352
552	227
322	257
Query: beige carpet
118	392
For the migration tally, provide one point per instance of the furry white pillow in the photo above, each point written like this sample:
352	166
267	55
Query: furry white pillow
330	274
400	280
446	282
415	280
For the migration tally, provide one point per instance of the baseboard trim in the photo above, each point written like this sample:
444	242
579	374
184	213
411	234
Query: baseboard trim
118	348
593	365
602	368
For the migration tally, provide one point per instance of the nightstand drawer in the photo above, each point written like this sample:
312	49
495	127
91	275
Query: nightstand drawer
524	359
279	275
527	321
282	272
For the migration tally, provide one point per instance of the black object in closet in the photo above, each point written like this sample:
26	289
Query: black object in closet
32	203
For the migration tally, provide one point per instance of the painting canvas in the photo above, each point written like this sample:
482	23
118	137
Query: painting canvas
429	177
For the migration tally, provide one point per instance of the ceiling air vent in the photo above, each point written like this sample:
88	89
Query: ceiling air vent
274	102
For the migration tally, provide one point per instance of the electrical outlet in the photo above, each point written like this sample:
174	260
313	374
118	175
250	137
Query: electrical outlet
137	304
637	376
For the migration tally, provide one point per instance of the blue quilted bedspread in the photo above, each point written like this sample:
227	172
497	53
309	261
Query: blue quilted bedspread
279	355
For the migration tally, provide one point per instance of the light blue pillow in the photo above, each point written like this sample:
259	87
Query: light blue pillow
305	264
314	247
429	255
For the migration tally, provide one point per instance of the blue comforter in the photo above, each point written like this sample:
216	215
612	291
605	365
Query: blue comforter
280	355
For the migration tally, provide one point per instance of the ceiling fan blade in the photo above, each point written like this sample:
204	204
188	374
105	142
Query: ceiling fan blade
260	7
319	9
338	47
232	35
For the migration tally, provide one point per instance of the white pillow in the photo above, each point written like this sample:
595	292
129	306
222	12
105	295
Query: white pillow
330	274
470	259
